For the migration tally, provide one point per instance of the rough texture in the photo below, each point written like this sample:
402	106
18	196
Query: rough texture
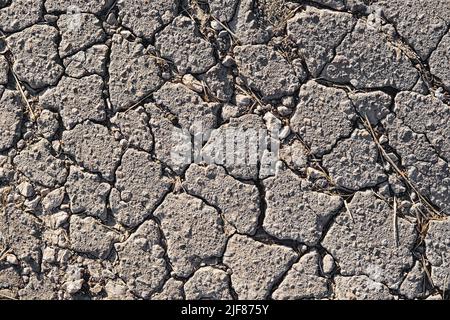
88	62
38	163
182	44
245	25
193	114
220	82
193	231
352	164
238	146
360	288
373	106
294	212
141	260
208	284
224	149
254	278
223	10
323	116
317	33
439	59
20	14
413	287
94	148
78	31
11	110
426	115
4	68
144	23
22	233
173	145
428	172
367	243
89	236
172	290
335	4
76	100
265	70
48	124
133	126
139	188
72	6
303	280
367	59
438	253
237	201
420	23
36	58
87	193
133	73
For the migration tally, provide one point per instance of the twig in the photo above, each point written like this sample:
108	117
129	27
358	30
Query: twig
137	104
395	222
22	93
19	86
397	169
348	210
424	265
4	252
250	93
227	29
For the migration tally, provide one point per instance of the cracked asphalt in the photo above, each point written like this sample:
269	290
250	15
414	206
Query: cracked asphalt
118	179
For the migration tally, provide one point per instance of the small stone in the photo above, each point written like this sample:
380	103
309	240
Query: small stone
284	111
73	287
48	124
228	62
59	219
26	189
192	83
12	259
243	100
49	255
328	264
53	200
